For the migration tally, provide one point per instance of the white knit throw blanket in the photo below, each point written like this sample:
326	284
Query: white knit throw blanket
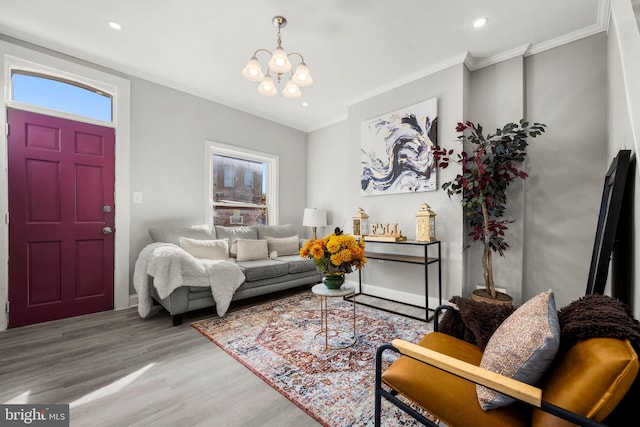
167	263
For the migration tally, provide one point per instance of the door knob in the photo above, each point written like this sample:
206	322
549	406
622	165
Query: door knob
107	230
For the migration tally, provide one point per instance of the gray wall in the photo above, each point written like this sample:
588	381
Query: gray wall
566	88
334	154
167	146
557	207
168	133
497	98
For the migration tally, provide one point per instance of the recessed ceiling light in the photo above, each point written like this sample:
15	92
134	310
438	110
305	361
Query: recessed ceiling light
305	104
480	22
115	25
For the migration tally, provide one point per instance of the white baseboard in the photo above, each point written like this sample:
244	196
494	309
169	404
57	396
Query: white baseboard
133	300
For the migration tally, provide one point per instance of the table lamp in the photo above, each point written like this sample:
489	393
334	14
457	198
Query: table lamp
314	218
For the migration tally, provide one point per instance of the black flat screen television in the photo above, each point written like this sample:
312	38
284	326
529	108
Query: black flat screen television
607	232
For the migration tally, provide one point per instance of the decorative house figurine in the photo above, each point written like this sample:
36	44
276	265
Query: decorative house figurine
425	224
360	224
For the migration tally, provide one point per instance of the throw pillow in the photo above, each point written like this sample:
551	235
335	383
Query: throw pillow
284	245
234	233
207	249
249	249
473	321
522	348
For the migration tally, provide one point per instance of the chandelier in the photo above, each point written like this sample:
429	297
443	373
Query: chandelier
278	66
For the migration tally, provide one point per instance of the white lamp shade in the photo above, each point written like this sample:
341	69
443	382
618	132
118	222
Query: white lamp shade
291	90
314	218
301	76
253	71
279	62
267	87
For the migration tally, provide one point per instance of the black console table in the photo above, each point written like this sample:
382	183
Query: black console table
410	259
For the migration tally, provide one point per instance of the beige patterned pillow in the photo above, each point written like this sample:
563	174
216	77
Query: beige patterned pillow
207	249
522	347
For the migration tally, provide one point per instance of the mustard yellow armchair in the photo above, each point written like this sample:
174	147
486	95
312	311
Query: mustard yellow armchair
584	383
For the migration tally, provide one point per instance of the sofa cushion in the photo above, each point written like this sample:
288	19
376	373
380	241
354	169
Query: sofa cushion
263	269
170	234
249	249
522	347
297	264
265	231
284	245
207	249
234	233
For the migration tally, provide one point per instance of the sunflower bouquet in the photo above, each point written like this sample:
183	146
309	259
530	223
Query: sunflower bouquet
335	253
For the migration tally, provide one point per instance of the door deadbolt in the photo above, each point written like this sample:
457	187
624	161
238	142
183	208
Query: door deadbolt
106	208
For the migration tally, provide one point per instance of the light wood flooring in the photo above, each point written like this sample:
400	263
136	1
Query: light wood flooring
115	369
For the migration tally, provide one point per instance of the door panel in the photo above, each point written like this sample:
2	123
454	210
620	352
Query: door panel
61	175
43	264
43	191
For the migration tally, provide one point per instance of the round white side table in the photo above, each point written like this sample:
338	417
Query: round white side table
325	293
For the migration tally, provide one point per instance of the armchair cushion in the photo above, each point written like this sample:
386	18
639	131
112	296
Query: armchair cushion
522	348
591	378
450	398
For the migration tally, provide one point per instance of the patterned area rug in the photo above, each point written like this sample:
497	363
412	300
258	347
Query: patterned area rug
278	341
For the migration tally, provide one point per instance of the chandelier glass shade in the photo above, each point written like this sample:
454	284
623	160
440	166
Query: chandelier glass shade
279	67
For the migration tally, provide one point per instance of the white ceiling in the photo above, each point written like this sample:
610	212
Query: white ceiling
353	48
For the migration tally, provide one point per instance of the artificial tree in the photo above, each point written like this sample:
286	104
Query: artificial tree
489	165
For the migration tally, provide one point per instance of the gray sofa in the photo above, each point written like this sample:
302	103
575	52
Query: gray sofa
273	273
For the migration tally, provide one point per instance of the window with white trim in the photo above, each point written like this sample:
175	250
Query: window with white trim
241	185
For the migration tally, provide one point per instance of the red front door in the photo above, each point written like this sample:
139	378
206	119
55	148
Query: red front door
61	217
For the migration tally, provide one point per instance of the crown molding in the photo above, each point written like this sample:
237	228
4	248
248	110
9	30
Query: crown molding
601	25
443	65
479	63
330	122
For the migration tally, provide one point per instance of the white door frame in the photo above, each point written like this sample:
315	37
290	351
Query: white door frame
14	56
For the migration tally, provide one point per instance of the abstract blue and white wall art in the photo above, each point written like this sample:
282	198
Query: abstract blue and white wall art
397	150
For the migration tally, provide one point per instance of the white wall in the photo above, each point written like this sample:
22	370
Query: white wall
557	207
168	132
334	184
164	157
623	68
